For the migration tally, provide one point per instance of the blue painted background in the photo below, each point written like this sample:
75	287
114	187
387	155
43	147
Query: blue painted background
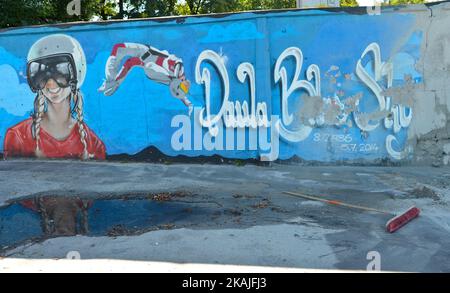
139	114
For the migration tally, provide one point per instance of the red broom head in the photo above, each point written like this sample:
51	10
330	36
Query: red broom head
401	220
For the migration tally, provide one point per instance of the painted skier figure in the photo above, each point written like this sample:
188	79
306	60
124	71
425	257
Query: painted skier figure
159	66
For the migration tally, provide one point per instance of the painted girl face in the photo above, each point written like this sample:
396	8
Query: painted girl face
54	93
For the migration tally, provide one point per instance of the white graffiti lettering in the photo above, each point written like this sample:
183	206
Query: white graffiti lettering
234	114
280	75
253	115
397	119
395	116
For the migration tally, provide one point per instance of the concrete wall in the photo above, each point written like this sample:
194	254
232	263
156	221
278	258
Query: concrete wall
330	85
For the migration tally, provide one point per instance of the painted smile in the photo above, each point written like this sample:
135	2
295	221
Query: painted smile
54	91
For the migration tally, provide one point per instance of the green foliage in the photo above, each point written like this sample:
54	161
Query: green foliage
353	3
145	8
349	3
268	4
219	6
404	2
31	12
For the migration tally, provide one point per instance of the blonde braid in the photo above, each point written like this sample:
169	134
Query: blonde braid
39	110
81	129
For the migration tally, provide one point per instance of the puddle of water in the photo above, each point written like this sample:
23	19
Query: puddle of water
18	224
47	217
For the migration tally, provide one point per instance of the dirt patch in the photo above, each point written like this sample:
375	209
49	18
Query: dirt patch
166	196
244	196
425	192
121	230
262	205
167	227
162	197
233	212
118	230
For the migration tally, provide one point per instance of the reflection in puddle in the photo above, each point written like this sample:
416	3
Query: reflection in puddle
61	216
46	217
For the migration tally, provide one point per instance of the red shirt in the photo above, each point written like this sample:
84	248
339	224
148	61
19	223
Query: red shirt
19	142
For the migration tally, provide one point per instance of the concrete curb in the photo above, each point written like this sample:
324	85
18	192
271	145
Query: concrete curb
119	266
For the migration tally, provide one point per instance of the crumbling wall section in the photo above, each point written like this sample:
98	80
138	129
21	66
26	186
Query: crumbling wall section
429	132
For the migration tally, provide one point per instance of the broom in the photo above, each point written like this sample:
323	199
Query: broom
392	225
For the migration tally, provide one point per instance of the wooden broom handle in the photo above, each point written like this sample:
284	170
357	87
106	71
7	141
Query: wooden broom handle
335	202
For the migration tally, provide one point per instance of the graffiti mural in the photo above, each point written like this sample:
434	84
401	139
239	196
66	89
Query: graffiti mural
252	86
331	111
56	69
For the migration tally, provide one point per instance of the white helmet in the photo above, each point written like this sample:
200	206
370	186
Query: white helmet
59	44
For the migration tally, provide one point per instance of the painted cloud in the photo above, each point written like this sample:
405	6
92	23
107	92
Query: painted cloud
15	98
238	31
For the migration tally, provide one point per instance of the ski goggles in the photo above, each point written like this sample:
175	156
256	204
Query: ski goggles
60	68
